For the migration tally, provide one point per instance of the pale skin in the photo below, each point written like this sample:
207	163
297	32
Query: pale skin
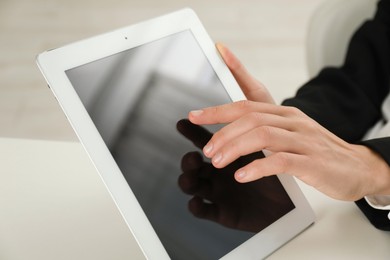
299	146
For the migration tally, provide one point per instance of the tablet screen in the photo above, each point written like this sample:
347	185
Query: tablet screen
137	100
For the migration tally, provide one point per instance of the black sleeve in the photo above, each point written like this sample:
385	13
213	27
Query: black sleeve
347	100
379	218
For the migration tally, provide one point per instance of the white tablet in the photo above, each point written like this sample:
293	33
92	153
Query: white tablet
126	94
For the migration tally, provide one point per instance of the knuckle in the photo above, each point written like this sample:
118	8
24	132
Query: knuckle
214	110
244	104
311	124
294	111
308	124
264	132
255	116
219	136
234	148
284	161
216	114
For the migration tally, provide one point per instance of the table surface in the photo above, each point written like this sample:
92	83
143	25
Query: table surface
53	205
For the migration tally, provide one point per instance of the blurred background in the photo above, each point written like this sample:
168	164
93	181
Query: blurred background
267	35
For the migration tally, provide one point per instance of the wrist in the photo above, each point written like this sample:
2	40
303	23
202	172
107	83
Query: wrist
378	177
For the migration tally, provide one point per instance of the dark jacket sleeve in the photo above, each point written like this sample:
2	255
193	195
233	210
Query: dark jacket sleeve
347	100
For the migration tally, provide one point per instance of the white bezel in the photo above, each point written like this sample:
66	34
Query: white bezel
53	65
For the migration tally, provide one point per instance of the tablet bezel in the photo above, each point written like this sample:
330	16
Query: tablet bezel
53	65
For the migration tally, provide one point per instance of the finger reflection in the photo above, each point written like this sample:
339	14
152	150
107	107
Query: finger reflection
218	197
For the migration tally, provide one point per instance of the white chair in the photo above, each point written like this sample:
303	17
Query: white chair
330	30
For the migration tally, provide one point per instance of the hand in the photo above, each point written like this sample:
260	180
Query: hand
219	198
299	145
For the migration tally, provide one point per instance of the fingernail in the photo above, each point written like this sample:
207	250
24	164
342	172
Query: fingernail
240	174
217	158
208	148
196	112
220	46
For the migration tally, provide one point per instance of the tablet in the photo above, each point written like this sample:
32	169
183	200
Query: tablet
127	95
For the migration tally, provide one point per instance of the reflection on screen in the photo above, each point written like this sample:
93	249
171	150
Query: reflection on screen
137	99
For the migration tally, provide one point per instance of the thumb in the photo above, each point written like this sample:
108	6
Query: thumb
252	88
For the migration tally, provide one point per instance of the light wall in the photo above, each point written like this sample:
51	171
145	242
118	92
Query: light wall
268	36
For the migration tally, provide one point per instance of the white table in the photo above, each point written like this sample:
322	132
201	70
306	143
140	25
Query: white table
53	205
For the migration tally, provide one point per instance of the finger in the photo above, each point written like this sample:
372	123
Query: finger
198	135
264	137
195	176
188	183
251	87
232	111
194	162
191	161
201	209
192	183
276	163
244	125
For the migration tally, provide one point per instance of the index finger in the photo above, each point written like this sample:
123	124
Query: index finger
232	111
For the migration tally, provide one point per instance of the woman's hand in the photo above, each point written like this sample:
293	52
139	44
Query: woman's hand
299	146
